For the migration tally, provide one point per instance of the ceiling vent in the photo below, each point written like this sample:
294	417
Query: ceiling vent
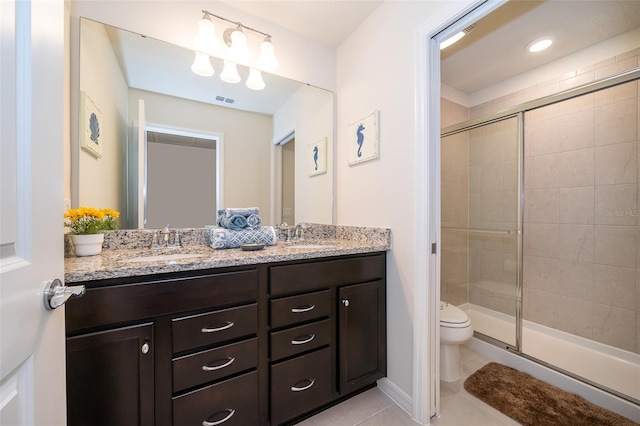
226	100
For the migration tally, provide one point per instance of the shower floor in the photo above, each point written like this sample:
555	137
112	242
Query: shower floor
610	367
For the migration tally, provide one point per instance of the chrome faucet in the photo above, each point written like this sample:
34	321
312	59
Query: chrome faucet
166	232
299	232
158	243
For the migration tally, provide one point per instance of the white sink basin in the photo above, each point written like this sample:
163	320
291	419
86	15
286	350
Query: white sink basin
163	257
310	246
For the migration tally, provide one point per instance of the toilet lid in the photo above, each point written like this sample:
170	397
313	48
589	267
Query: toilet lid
452	314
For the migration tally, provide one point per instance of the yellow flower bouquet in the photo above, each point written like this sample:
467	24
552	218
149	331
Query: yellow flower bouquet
87	220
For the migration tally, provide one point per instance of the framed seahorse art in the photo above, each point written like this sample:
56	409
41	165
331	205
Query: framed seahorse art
317	157
90	122
364	139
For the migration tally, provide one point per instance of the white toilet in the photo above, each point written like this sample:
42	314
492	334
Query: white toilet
455	329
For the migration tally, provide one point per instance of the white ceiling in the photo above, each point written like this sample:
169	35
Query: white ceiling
495	49
493	52
326	21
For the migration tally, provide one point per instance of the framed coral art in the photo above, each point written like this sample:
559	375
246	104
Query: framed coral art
363	139
317	157
90	122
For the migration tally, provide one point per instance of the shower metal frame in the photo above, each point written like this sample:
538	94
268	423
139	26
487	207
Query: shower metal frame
518	112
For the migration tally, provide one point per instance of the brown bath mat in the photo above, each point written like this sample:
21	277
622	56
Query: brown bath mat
533	402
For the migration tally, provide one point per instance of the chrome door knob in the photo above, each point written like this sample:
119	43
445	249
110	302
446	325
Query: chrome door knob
56	294
345	302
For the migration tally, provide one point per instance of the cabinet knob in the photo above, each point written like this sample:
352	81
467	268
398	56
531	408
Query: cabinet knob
345	302
145	348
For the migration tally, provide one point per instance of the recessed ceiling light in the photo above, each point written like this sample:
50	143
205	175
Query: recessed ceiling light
540	44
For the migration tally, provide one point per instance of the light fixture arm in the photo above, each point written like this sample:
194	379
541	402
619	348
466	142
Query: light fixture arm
237	23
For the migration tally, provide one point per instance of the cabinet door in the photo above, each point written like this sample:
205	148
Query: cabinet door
110	377
362	335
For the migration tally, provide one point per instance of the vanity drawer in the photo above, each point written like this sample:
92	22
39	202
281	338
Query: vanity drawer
213	327
118	304
300	339
214	364
313	275
300	385
296	309
235	399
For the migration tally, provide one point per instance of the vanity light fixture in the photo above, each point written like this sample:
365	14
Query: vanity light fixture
540	44
230	72
255	81
237	52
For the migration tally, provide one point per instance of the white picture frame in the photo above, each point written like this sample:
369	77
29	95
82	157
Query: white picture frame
90	123
317	157
363	139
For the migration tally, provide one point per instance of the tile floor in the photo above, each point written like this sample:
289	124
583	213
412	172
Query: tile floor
374	408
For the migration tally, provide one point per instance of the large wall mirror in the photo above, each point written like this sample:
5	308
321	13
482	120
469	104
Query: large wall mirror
166	146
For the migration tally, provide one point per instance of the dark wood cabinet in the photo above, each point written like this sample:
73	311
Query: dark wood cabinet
362	331
328	332
155	350
110	377
253	345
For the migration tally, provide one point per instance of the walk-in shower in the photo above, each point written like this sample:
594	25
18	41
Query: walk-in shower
541	234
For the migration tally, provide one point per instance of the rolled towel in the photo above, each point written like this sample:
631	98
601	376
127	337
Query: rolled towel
234	223
253	221
221	238
245	211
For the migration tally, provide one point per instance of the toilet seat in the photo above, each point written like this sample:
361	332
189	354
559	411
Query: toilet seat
453	317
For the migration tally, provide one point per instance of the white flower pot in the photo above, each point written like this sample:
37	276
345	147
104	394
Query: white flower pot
87	245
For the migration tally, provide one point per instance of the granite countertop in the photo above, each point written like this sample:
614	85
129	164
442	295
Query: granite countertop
121	249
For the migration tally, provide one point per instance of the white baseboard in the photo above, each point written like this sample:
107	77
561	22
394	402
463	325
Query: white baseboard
403	400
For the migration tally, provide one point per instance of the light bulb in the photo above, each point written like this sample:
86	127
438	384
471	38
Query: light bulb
255	82
268	61
205	41
238	51
540	44
448	42
230	72
202	65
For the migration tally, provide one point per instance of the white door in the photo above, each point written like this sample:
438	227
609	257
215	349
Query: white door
32	351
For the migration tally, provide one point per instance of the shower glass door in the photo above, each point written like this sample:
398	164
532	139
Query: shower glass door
481	224
581	260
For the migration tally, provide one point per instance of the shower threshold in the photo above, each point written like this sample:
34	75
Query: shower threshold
602	365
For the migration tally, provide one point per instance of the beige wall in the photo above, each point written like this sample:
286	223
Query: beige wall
247	143
309	112
101	180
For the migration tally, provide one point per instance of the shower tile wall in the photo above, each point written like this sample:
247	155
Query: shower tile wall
455	207
493	205
581	254
581	242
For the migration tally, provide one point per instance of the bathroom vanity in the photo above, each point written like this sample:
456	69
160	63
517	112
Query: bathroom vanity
270	340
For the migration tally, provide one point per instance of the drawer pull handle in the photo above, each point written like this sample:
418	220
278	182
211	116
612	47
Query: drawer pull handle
218	367
303	309
303	341
303	388
227	326
219	422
